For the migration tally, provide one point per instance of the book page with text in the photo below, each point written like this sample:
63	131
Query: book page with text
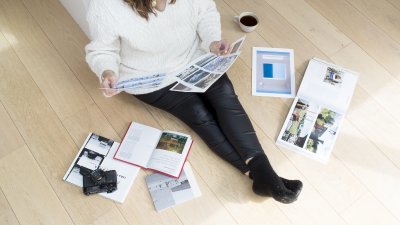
138	144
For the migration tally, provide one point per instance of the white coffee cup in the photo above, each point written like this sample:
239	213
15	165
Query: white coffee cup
248	21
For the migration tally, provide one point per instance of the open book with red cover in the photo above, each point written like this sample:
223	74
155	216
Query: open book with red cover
150	148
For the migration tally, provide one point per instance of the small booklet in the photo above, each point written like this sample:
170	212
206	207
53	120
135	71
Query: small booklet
98	152
317	113
167	192
273	72
150	148
199	75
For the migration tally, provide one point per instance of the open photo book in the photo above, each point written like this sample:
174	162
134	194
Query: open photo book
167	192
150	148
316	115
97	152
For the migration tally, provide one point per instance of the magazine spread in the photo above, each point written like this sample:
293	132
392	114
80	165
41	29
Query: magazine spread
98	152
151	148
316	115
167	192
273	72
199	75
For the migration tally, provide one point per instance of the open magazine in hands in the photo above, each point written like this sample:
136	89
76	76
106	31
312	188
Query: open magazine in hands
199	75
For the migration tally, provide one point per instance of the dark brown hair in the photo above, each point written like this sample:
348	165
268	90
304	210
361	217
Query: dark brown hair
143	7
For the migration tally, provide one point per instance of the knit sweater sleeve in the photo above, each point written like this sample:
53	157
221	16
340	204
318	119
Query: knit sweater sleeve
209	23
102	53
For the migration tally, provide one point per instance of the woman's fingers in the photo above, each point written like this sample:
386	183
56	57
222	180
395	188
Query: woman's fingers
108	86
109	83
220	47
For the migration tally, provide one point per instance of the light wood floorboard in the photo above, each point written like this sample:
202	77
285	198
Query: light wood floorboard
10	139
361	30
27	190
7	214
382	14
49	102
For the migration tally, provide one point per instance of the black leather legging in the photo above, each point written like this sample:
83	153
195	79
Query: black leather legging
216	116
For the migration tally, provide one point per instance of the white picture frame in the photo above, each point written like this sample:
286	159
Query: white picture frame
273	72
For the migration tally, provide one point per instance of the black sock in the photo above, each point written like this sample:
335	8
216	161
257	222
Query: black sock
267	183
293	185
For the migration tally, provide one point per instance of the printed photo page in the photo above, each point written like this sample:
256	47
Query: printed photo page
138	144
151	148
167	192
98	152
317	113
199	75
170	153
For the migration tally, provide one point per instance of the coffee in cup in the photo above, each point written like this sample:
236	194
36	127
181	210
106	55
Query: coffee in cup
247	21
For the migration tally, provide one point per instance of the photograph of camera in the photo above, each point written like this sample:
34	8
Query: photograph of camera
98	181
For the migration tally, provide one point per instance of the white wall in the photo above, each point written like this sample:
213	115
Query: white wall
77	9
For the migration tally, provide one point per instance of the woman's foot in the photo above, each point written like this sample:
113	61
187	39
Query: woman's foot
294	185
267	183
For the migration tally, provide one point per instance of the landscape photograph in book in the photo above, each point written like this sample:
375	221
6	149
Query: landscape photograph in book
333	77
300	123
172	142
324	131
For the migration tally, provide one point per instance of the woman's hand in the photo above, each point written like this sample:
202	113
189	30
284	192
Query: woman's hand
108	83
220	47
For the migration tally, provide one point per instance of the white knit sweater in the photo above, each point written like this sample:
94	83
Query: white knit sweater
127	44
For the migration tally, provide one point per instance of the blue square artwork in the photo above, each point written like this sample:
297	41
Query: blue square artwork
275	71
267	68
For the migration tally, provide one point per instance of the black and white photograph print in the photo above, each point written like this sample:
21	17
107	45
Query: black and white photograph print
206	60
209	80
333	77
90	157
182	75
220	64
236	45
182	88
196	76
99	144
300	123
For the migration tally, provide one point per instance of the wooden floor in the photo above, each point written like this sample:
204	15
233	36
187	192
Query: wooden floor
49	102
